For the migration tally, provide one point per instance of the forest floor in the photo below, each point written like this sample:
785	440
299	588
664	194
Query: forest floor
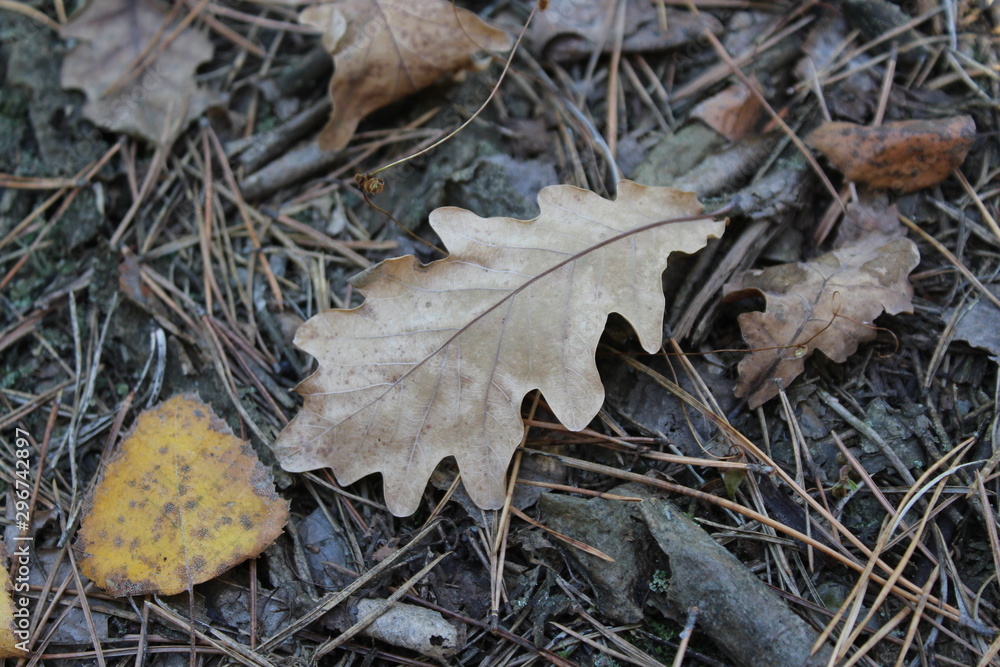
154	248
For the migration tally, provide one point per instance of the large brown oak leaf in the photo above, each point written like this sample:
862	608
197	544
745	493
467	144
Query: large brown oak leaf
438	358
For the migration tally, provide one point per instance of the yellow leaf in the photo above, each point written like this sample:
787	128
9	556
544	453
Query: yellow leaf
437	360
183	501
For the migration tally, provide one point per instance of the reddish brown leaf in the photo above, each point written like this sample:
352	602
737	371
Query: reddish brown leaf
827	304
903	155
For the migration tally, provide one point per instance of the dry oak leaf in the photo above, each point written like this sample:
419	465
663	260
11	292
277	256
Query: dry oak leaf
156	103
438	358
826	304
182	501
384	50
903	155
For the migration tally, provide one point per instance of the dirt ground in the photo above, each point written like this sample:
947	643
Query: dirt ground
705	516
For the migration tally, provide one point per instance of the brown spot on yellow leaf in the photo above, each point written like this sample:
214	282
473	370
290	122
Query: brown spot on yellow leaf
902	155
205	472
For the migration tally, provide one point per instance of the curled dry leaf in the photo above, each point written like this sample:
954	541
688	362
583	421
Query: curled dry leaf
438	358
155	103
903	155
827	304
183	501
385	50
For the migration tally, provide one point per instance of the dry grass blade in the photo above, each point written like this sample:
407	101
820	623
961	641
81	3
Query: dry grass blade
30	12
848	635
597	645
637	656
908	588
918	614
964	270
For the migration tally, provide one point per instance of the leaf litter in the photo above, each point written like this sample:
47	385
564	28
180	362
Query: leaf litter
212	319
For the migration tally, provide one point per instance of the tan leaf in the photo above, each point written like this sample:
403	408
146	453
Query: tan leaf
827	304
733	112
903	155
437	360
183	501
385	50
159	101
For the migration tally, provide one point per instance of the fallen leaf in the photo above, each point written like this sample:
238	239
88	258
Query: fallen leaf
733	112
183	501
158	102
385	50
12	643
903	155
438	358
979	325
826	304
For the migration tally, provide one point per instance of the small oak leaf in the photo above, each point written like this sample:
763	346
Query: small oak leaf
438	358
826	304
181	502
384	50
